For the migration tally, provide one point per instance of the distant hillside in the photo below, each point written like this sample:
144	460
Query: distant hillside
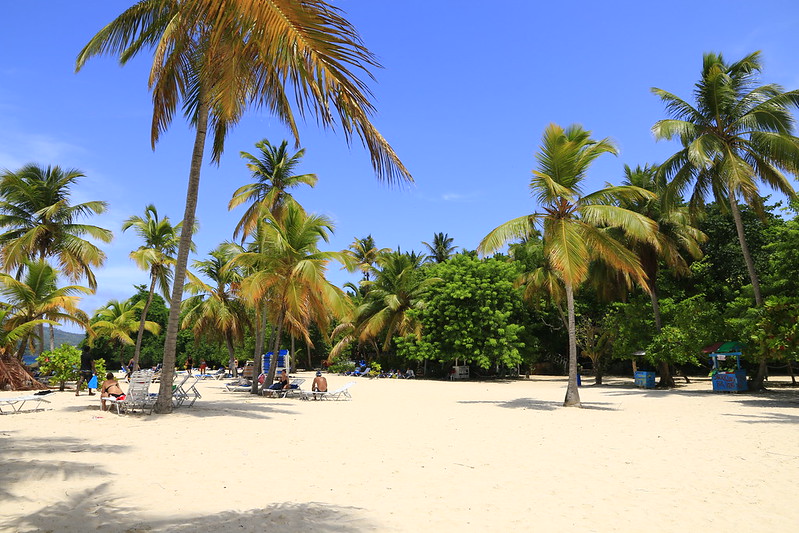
65	337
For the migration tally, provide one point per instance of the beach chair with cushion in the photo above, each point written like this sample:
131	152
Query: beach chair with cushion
17	403
341	393
294	388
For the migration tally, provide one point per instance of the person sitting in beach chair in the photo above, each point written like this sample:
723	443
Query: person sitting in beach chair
282	382
110	388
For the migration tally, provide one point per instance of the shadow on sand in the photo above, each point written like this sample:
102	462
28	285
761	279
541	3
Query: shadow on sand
540	405
93	510
13	469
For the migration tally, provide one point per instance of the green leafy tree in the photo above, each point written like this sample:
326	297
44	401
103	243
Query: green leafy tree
222	57
63	364
737	134
576	225
472	314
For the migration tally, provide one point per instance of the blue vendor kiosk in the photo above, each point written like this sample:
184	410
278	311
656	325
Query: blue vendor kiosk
727	380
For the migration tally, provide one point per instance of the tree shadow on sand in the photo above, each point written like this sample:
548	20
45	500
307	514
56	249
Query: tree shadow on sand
14	469
540	405
257	409
94	510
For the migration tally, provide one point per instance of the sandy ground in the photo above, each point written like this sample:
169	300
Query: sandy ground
410	455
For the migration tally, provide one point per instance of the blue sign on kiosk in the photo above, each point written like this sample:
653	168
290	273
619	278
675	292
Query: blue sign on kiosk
728	381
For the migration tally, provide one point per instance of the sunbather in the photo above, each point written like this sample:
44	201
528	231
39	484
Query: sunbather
282	383
110	387
319	383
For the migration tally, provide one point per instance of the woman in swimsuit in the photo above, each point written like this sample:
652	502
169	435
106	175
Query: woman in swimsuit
110	387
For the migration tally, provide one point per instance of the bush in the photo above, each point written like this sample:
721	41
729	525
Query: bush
63	364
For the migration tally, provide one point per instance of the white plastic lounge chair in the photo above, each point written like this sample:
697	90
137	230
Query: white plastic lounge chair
138	396
341	393
179	392
17	403
282	393
191	391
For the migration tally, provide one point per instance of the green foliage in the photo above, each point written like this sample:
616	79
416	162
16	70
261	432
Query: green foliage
471	315
340	366
63	364
630	327
693	323
772	331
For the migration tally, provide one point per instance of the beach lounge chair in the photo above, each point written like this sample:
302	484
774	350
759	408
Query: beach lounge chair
17	403
342	393
192	393
138	396
180	392
283	393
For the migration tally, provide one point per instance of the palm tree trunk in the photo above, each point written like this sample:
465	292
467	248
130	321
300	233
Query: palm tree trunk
258	356
164	403
270	377
760	376
572	393
231	351
52	337
750	264
666	377
142	321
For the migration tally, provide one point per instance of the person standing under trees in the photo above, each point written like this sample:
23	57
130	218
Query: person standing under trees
86	370
189	364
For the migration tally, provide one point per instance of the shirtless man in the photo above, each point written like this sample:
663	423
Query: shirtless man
319	383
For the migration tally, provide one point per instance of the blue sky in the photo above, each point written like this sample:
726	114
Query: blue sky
466	91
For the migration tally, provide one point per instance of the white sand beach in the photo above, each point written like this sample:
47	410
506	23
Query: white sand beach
410	455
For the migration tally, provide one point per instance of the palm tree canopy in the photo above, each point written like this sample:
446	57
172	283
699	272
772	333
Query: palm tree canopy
441	249
37	296
38	221
236	54
157	254
118	321
576	225
274	176
736	134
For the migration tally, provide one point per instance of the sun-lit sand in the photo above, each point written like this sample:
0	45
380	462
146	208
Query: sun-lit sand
410	455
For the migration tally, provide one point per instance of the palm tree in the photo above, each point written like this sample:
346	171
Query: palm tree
221	57
442	248
117	320
289	270
37	297
397	289
675	237
39	222
576	225
364	254
13	374
737	134
274	176
156	255
214	310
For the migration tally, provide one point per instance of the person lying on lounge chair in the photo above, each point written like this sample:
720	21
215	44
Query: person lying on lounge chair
110	387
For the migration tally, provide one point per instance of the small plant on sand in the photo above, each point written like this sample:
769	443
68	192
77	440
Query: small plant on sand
63	364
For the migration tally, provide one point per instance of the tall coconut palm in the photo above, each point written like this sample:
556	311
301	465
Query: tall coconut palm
576	225
290	271
221	57
38	222
37	297
677	238
117	320
737	134
156	255
364	253
441	249
215	310
274	176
